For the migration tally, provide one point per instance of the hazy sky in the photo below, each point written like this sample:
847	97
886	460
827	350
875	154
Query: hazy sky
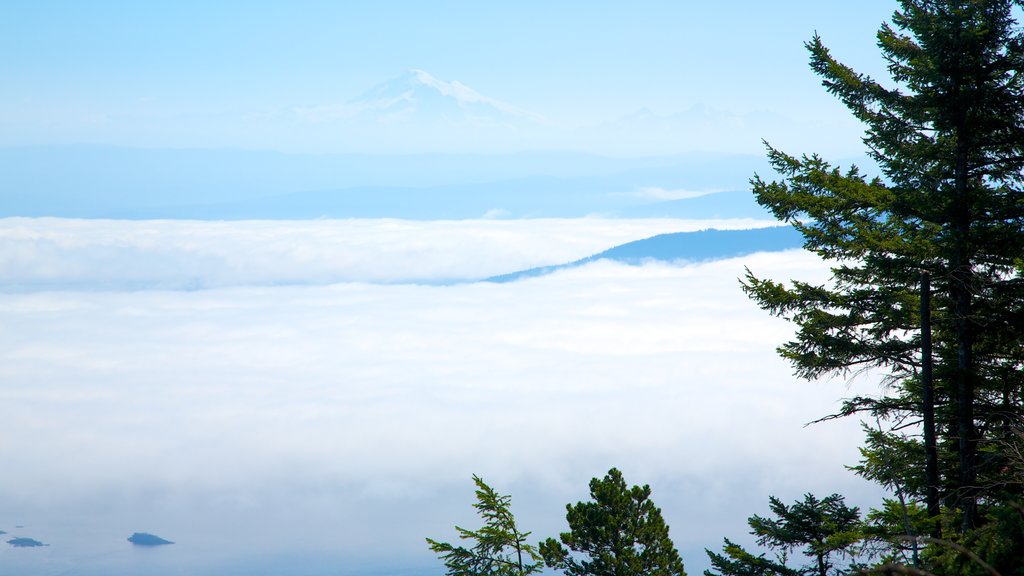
719	75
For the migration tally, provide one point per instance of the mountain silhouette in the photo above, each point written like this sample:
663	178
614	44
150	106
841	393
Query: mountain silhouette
700	246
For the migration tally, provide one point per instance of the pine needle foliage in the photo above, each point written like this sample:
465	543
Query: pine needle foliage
947	133
825	530
619	533
499	547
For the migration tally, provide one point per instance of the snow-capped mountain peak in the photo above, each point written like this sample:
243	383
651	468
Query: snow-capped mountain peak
419	94
455	89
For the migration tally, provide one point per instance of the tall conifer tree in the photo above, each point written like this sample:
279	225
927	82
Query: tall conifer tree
947	133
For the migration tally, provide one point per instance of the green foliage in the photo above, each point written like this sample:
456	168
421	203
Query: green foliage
994	548
824	530
735	561
821	527
948	135
891	532
892	460
619	533
499	549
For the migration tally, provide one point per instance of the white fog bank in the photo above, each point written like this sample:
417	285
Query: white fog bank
341	423
57	253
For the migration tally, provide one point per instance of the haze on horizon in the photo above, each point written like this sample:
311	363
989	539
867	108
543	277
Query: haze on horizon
648	78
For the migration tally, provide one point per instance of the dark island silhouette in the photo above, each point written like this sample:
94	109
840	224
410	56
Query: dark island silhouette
145	539
25	543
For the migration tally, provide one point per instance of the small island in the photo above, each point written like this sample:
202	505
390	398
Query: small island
25	543
144	539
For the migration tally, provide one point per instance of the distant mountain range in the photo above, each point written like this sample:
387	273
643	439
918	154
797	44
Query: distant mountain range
121	255
536	197
108	182
701	246
93	181
417	111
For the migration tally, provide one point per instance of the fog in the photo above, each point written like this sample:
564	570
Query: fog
269	425
57	253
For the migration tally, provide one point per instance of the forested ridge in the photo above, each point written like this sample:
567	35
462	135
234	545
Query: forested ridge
927	291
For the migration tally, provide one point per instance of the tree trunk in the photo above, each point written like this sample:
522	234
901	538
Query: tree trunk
928	407
961	285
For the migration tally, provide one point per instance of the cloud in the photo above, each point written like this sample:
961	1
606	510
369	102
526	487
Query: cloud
495	213
656	193
343	421
97	254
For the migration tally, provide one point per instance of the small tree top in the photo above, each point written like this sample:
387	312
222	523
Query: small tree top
620	533
500	548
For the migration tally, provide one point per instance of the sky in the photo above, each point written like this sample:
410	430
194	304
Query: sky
716	76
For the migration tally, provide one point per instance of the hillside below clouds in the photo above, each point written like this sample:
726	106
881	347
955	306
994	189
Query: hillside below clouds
675	247
119	255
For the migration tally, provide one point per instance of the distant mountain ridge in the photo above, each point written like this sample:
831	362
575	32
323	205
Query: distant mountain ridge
417	111
536	197
700	246
109	182
79	255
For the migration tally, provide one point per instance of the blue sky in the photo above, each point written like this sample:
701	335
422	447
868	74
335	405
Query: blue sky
231	74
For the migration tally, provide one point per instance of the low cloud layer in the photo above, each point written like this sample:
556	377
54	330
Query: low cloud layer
172	254
342	422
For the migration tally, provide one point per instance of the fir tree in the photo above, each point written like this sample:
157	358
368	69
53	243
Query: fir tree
824	530
620	533
499	549
948	135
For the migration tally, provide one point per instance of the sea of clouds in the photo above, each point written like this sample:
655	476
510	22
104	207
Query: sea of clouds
279	398
54	253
